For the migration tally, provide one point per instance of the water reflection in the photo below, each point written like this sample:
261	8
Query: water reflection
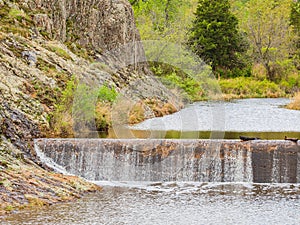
174	134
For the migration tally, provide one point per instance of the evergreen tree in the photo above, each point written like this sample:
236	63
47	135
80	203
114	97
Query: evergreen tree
214	36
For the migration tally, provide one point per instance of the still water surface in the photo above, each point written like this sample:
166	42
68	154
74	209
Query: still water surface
263	118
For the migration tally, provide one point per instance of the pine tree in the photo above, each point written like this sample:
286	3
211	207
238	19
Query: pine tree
214	36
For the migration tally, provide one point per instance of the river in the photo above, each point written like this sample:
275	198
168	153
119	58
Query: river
191	202
175	203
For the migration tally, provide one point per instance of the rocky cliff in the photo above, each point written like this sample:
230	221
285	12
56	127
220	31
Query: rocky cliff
45	44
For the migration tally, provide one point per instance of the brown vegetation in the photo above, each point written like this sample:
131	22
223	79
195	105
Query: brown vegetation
295	104
159	108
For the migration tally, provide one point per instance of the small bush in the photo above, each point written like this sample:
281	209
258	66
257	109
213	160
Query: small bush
84	110
61	120
107	94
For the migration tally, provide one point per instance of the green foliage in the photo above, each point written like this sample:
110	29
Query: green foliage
85	105
107	94
290	84
166	20
295	22
176	79
295	15
245	87
268	30
214	36
236	72
67	96
61	119
83	108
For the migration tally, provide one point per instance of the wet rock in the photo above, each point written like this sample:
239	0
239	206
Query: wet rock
19	129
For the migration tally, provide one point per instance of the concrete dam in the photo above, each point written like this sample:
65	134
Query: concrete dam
161	160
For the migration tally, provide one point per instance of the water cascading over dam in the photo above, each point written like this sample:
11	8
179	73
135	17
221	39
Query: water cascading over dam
173	160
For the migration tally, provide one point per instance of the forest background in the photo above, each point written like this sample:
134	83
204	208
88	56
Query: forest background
252	46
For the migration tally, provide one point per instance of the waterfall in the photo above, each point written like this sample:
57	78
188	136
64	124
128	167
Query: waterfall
173	160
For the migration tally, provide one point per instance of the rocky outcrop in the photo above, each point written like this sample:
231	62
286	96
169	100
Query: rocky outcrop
43	44
34	70
102	24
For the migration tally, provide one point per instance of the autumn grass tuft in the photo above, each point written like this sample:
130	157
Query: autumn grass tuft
295	104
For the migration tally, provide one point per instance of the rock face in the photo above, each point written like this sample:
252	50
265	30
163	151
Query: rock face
107	30
100	24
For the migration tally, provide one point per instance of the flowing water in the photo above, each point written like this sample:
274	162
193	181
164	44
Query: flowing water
175	203
184	181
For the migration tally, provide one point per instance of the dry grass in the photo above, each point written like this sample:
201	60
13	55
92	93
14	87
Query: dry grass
62	125
103	116
137	113
2	36
160	108
295	104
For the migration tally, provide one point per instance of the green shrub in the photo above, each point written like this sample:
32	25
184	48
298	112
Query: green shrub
85	105
247	87
61	121
174	78
107	94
